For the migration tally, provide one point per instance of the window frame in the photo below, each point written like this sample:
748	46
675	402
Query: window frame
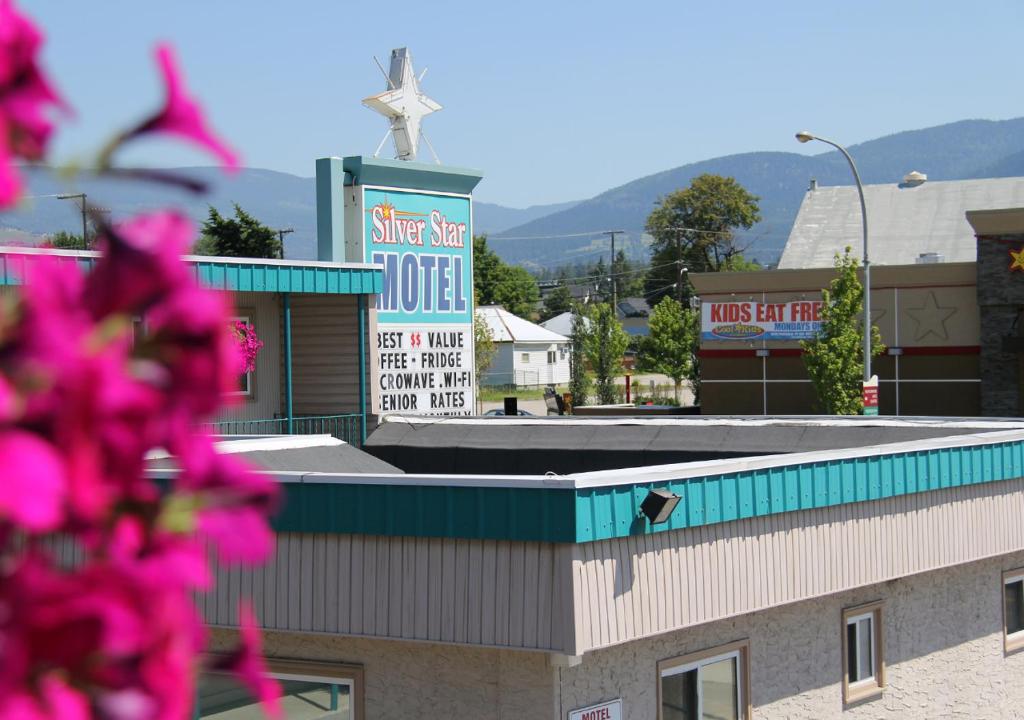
739	649
250	391
1012	642
524	358
552	357
315	672
872	686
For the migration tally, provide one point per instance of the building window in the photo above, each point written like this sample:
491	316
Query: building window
309	691
1013	610
552	357
524	357
863	662
709	684
245	380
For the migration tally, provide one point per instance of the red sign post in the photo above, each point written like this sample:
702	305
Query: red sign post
870	396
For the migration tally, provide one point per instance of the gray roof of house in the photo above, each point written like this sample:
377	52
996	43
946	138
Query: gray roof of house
903	221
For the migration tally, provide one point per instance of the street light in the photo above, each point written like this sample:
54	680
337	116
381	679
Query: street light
804	137
79	196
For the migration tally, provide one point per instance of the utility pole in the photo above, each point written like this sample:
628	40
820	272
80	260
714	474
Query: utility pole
85	213
280	236
615	293
679	265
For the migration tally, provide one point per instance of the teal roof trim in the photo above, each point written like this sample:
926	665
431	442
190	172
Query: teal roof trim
272	276
410	175
610	512
586	514
487	513
299	278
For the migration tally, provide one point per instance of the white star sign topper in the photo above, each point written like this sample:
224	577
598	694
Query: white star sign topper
404	105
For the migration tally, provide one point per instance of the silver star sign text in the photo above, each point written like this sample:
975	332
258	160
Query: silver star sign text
403	104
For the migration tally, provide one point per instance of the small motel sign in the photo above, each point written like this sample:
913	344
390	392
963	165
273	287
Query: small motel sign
609	710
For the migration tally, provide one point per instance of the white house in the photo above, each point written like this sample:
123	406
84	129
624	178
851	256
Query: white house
526	354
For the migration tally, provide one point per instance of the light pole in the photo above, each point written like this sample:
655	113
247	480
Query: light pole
803	137
79	196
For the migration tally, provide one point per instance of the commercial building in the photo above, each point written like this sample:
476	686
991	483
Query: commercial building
933	285
315	320
811	568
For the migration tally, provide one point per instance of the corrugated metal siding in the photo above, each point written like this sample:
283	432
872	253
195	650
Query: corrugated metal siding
325	354
481	592
228	274
264	312
638	586
607	512
224	274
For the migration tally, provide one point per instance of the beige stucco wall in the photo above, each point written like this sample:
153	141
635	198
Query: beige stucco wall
943	649
413	679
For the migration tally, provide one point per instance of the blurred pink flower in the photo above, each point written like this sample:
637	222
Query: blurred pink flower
141	262
247	663
25	96
181	115
34	481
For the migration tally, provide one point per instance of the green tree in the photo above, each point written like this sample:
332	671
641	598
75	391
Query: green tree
835	358
607	341
241	236
629	277
498	283
558	301
63	240
483	348
671	346
579	381
694	228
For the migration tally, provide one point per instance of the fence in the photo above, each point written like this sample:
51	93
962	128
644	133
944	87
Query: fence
347	428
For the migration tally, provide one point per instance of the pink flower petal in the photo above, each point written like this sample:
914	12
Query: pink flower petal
181	115
34	481
248	665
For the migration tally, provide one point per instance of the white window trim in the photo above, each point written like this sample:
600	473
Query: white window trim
1011	641
248	393
738	650
874	685
309	671
698	664
855	621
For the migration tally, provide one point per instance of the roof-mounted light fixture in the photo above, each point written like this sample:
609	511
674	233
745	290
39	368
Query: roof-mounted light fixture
658	505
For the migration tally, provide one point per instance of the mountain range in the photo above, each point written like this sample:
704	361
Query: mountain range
956	151
553	235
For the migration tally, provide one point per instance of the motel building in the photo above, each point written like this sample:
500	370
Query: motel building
601	568
946	295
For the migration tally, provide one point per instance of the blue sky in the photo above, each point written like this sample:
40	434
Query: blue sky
554	101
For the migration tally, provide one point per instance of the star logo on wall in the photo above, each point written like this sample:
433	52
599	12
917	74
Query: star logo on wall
404	105
1017	260
931	318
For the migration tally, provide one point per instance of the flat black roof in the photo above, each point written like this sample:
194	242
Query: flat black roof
564	445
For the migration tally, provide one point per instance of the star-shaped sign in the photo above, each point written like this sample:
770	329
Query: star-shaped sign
1017	260
403	104
931	318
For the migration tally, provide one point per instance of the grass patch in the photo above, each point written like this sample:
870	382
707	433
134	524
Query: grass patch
498	393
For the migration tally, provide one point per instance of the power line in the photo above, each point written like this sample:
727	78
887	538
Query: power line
596	233
582	278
